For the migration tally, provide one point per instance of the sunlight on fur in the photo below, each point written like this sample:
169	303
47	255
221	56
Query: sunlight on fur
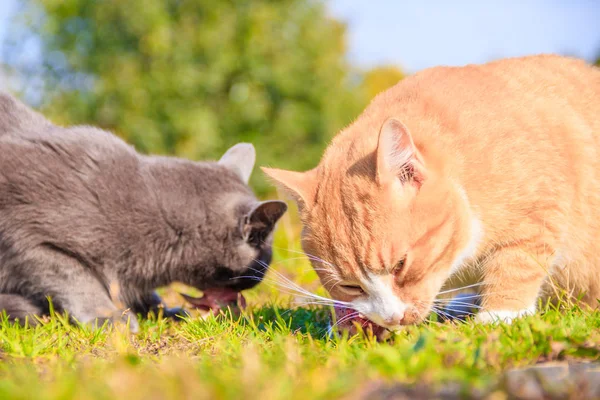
490	171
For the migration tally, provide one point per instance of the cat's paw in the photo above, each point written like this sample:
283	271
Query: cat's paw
492	316
177	313
131	319
117	318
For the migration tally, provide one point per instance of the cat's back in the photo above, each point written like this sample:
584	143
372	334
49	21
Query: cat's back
57	178
531	109
513	93
547	87
22	127
28	141
16	117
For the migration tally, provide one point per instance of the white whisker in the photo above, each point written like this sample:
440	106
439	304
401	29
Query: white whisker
461	288
460	303
289	284
342	320
309	256
444	314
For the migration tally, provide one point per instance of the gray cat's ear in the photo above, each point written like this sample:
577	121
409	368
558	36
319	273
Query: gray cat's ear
259	222
240	159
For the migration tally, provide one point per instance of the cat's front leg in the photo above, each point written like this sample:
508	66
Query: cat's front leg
87	301
19	308
512	282
73	288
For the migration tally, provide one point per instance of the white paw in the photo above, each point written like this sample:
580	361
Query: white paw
487	317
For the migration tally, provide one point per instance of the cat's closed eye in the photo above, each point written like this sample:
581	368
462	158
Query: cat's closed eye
354	290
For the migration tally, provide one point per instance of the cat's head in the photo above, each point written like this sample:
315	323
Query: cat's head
382	226
229	232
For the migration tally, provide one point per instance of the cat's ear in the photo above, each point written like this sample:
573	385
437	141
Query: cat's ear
300	185
240	158
259	222
397	155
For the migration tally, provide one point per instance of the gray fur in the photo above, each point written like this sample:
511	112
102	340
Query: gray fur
81	210
240	159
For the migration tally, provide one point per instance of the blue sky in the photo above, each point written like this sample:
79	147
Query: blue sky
6	10
420	34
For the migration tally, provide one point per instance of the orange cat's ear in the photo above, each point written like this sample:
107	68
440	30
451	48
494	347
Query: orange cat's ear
300	185
397	155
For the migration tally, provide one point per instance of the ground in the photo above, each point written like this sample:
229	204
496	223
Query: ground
279	349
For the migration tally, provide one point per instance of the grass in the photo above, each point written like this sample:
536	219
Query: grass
278	350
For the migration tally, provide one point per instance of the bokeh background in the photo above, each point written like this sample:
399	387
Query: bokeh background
192	77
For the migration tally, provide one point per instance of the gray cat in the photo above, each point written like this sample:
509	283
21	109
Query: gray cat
81	210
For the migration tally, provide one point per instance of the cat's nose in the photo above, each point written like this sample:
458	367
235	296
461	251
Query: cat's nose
394	319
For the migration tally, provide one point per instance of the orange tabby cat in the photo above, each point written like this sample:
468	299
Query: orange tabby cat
490	169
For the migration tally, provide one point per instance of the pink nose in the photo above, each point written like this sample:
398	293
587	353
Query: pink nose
394	319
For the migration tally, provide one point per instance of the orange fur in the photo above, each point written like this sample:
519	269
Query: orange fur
494	168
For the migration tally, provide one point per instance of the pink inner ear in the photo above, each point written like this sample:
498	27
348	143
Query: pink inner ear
398	155
395	152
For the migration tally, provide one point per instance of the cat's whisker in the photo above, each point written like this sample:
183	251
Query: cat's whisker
474	296
444	314
332	280
293	291
293	284
326	303
292	259
287	283
480	295
290	250
308	255
274	284
346	318
321	303
460	312
460	303
462	288
435	311
318	269
342	320
287	289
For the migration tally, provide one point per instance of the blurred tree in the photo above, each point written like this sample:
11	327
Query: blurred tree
192	77
379	79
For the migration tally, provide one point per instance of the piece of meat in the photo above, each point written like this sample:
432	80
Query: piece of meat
350	323
216	300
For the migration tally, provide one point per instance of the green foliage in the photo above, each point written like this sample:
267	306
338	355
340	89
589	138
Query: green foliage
379	79
278	349
277	353
192	77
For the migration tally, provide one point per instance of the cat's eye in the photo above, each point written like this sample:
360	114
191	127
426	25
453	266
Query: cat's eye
352	289
399	265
